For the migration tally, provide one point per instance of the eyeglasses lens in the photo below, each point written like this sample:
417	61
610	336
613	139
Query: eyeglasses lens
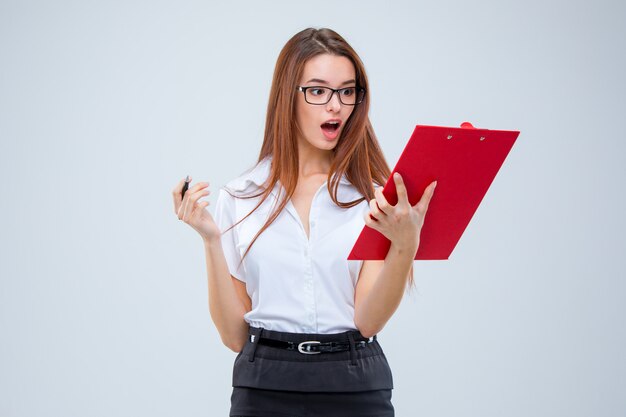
321	95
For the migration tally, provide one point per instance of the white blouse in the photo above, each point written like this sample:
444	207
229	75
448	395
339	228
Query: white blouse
296	284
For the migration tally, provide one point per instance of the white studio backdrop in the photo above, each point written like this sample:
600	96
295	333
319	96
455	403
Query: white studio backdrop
105	106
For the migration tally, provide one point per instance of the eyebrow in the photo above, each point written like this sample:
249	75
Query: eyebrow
317	80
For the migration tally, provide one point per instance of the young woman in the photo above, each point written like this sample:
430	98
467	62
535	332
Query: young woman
281	291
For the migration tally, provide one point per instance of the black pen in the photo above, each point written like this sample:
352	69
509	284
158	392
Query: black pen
185	187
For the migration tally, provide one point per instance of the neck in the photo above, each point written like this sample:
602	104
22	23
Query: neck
315	164
313	161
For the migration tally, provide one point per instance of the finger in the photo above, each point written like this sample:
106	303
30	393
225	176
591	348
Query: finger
403	197
185	201
183	206
374	210
193	200
370	221
196	188
177	194
191	203
383	204
199	186
199	207
422	205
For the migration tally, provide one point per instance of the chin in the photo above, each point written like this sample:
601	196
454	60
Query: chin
327	146
321	143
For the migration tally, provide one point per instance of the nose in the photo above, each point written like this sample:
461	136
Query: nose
334	104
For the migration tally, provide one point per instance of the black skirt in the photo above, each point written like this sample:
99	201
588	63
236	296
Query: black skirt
269	381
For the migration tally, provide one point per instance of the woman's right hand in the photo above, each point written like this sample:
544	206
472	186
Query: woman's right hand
194	213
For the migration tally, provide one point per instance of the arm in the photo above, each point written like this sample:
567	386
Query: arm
379	291
228	300
381	284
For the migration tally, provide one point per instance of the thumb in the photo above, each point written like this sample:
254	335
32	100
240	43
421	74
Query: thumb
422	205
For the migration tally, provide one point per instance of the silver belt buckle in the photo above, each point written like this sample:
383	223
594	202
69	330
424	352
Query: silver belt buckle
306	349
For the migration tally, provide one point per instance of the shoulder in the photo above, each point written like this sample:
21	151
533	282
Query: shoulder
247	184
250	181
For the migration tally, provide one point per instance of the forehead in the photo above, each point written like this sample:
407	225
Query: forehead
331	68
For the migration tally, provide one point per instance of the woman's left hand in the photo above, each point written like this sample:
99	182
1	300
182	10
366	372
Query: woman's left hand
402	223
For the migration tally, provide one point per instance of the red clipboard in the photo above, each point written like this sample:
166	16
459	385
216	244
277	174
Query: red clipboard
464	161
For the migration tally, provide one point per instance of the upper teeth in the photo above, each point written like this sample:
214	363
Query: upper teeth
333	123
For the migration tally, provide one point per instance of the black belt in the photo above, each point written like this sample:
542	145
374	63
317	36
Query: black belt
312	347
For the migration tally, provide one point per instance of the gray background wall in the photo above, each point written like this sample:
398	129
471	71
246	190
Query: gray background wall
104	106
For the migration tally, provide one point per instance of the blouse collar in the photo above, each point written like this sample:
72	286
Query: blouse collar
255	177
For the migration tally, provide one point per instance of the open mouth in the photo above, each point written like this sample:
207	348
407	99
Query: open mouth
331	129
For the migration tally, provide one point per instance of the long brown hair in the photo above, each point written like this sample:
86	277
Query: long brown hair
357	155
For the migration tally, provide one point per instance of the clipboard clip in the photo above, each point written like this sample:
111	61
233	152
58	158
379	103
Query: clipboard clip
467	125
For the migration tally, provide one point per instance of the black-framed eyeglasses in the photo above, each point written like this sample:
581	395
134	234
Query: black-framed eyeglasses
319	95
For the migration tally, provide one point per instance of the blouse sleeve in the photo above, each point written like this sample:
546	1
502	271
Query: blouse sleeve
224	218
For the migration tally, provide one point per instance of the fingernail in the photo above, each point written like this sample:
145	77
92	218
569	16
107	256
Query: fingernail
396	175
